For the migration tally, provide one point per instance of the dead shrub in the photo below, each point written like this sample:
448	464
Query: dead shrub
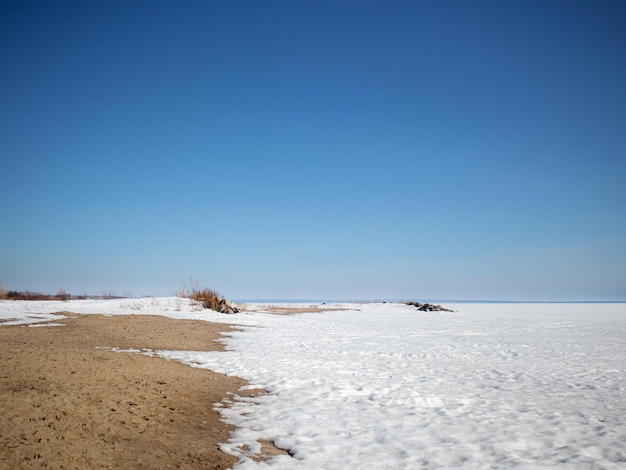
28	295
207	297
63	295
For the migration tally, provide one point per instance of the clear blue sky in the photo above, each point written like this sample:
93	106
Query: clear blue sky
315	149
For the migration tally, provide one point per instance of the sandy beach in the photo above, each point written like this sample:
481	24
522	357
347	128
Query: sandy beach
68	402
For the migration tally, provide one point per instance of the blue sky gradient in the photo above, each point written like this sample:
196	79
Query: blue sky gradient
315	149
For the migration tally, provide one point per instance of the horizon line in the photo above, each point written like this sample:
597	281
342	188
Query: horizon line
427	300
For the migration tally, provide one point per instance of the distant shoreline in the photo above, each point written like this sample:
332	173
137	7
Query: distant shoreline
428	300
37	296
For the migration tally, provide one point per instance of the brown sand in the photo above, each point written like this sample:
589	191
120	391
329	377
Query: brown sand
295	310
65	404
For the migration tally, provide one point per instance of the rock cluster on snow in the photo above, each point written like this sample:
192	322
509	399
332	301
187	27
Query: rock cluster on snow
429	307
226	307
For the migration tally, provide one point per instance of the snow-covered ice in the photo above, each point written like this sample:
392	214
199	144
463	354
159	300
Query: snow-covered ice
384	386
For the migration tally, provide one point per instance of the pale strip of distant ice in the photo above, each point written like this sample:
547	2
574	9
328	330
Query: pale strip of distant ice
387	387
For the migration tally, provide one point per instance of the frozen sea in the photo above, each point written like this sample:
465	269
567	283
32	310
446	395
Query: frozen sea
384	386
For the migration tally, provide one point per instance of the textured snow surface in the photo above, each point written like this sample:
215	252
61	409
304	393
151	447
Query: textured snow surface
383	386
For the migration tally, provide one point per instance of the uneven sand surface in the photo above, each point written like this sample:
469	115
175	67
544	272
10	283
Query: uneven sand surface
295	310
66	404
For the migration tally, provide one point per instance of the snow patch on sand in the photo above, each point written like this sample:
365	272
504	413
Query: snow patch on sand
385	386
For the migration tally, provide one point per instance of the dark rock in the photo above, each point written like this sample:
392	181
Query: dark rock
226	307
429	307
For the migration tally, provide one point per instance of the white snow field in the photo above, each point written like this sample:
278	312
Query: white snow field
384	386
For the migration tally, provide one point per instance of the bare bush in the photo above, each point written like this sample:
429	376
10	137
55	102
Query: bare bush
28	295
109	295
63	295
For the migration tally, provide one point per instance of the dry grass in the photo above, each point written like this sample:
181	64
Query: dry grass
206	296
